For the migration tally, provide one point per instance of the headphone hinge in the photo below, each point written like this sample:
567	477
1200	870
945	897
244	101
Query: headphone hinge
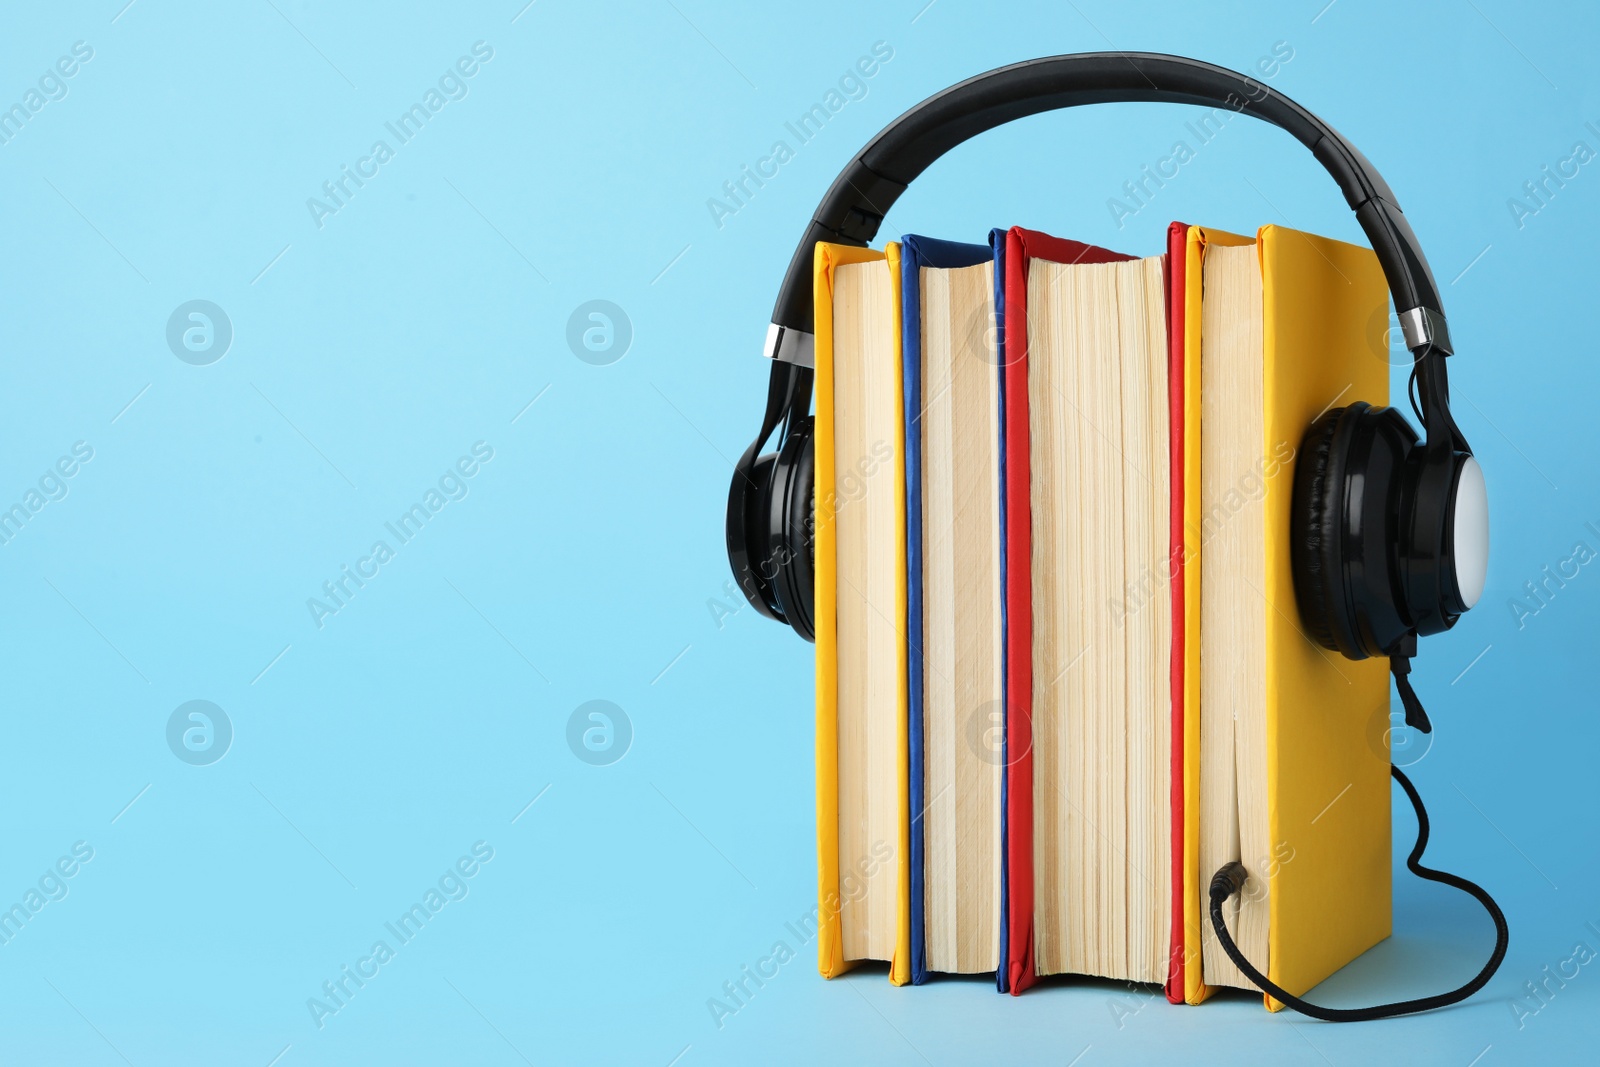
788	345
1425	326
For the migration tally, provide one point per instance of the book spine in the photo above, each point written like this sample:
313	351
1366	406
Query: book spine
1177	241
1019	623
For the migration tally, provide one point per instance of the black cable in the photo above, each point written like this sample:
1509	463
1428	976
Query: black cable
1400	667
1230	879
1411	394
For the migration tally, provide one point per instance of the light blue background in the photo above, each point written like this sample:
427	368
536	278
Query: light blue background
587	560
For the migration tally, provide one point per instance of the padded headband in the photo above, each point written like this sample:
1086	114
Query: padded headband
861	196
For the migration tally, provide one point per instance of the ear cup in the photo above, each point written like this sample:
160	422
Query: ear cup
791	525
1431	548
1312	543
1468	538
1353	503
747	533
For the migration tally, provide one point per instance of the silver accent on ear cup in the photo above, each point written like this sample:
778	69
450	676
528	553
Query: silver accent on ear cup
1469	534
1425	326
791	346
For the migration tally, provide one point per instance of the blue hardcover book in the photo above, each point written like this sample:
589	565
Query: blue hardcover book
966	703
997	244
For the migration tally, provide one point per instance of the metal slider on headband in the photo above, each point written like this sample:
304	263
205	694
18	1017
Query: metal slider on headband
1425	326
791	346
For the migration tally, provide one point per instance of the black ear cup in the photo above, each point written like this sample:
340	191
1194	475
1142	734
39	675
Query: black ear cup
1351	520
1315	572
791	527
770	525
746	531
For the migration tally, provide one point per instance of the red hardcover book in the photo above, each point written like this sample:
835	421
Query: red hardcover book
1177	236
1021	247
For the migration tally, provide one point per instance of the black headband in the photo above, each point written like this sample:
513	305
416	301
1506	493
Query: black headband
861	196
880	172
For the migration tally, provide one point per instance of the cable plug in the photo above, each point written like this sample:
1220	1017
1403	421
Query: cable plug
1228	881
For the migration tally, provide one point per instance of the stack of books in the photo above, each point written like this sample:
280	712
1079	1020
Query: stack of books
1060	674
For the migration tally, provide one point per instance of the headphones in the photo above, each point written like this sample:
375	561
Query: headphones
1389	534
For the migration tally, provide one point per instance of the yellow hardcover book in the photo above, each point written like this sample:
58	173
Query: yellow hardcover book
1281	770
900	965
1195	990
1328	779
863	817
